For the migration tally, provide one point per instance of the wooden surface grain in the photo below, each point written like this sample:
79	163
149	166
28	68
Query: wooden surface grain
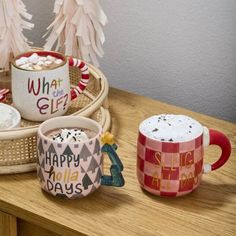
25	228
210	210
7	224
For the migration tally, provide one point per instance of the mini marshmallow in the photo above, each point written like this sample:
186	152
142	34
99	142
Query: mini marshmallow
48	63
25	66
42	59
34	58
51	58
58	61
40	63
22	61
37	67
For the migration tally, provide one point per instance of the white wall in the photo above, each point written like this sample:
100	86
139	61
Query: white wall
182	52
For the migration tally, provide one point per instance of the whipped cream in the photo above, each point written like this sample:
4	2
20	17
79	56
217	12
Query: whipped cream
70	135
6	117
171	128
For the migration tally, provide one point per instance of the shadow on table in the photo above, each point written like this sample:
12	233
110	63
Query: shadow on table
206	197
115	124
104	199
19	177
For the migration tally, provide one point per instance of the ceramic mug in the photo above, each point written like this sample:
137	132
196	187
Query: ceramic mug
43	94
74	170
170	168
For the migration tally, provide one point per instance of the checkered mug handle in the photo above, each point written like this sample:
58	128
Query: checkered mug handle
76	91
214	137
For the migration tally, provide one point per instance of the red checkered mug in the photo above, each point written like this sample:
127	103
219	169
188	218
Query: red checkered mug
175	168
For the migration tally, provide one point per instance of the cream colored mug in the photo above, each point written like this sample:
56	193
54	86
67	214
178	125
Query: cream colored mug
43	94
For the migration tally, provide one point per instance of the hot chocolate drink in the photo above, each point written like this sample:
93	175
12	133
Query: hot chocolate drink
71	135
37	62
171	128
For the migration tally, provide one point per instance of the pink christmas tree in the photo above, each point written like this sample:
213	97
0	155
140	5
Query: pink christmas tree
13	19
78	29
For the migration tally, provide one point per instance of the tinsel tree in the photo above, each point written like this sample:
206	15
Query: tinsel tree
13	19
77	29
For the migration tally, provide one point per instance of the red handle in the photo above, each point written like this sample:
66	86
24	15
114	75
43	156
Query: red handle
75	92
219	139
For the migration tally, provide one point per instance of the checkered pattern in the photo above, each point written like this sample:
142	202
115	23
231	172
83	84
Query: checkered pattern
169	169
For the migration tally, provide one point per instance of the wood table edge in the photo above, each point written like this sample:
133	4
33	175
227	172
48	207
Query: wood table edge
38	220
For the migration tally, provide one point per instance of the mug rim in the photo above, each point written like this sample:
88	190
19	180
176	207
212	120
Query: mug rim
48	52
45	123
174	142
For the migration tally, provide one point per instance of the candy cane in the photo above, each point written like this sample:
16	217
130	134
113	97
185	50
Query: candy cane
3	93
84	77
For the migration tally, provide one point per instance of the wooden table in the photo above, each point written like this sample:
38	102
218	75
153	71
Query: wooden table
210	210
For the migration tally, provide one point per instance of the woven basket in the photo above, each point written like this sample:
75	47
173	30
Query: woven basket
18	146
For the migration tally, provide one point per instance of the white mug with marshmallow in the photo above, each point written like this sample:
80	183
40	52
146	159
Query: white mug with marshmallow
40	93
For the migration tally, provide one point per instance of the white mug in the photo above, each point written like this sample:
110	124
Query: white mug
43	94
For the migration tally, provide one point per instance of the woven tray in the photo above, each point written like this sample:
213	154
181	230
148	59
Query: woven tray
18	146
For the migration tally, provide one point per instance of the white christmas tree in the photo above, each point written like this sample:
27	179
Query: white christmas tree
77	29
13	19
